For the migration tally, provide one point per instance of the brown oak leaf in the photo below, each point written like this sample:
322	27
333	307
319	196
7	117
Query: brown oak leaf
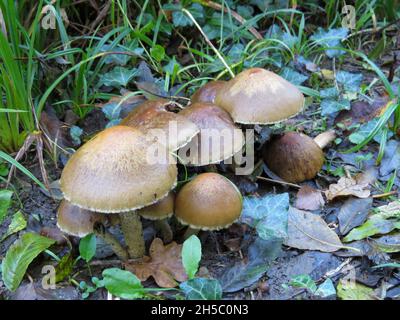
348	187
164	264
309	198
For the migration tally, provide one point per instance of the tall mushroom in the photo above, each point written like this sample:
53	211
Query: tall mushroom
159	212
208	202
111	174
296	157
153	116
218	139
80	222
259	96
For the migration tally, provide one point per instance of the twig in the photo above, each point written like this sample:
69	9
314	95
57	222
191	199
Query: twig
280	182
383	195
235	15
209	42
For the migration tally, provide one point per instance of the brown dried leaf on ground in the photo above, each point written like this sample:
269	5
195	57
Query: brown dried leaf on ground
164	264
347	187
309	198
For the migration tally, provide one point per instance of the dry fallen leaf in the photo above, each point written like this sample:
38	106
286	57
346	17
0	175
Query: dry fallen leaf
308	231
347	187
309	198
164	264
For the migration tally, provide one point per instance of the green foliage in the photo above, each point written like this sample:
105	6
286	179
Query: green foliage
5	202
201	289
191	255
87	247
20	255
123	284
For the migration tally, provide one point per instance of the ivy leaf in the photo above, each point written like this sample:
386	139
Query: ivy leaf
191	255
268	214
112	110
304	281
87	247
75	132
201	289
17	224
330	38
365	129
5	201
329	93
326	289
157	52
123	284
118	77
293	76
330	106
20	255
351	81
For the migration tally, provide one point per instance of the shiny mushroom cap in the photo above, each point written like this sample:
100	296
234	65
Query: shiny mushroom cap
159	210
113	172
208	202
153	118
258	96
208	92
294	157
219	138
76	221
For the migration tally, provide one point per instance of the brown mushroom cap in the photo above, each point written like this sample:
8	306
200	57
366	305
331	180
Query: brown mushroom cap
153	114
258	96
294	157
216	127
208	202
76	221
111	173
159	210
208	92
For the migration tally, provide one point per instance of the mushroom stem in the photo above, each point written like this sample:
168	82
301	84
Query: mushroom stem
101	232
165	229
131	227
189	232
324	138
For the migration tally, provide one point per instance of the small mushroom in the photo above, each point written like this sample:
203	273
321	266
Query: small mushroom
111	174
258	96
296	157
208	92
153	116
208	202
159	213
80	222
218	139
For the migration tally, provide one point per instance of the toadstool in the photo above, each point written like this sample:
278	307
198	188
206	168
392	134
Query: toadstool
153	116
259	96
111	174
208	202
208	92
160	212
80	222
296	157
218	139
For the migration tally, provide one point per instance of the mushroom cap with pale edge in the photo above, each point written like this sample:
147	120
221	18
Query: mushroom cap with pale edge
160	210
208	92
216	127
258	96
77	221
152	117
208	202
111	173
295	157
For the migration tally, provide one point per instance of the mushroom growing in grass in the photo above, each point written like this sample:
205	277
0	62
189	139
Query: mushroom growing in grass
295	157
208	202
112	174
258	96
208	92
80	222
159	213
218	139
153	118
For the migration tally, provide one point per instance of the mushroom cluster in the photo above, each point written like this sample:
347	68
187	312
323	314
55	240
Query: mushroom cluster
112	176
